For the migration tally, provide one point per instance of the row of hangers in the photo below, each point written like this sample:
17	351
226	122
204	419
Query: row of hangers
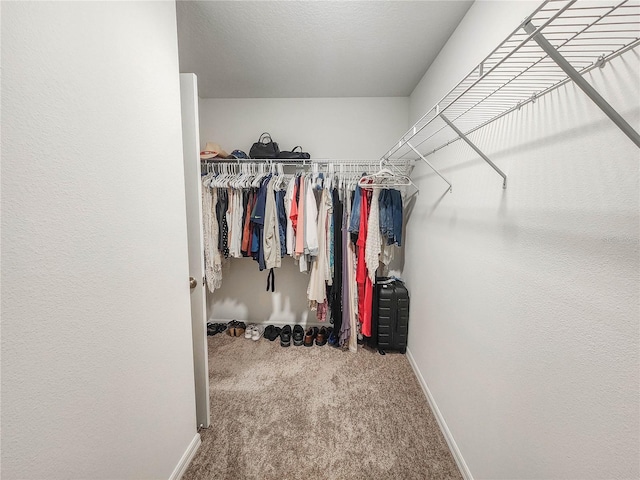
244	175
385	178
250	174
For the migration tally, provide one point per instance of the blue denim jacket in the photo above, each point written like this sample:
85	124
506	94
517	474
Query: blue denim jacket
390	203
354	221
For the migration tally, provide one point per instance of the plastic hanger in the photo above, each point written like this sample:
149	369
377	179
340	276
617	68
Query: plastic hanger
384	177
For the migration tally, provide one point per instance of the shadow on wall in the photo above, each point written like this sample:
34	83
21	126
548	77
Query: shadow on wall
530	146
550	116
280	313
286	305
396	267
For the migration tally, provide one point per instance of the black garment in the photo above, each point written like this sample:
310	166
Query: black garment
297	190
336	289
245	202
223	228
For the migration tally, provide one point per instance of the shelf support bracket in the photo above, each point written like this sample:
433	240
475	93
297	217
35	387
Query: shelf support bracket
476	149
585	86
431	166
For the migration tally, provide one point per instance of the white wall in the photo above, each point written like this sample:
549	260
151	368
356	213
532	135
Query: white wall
344	128
524	322
97	372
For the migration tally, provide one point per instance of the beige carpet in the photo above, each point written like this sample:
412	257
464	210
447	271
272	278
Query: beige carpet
318	412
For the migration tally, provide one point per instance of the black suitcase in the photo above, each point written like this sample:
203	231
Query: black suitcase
390	326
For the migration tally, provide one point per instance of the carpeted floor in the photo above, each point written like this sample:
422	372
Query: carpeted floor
318	412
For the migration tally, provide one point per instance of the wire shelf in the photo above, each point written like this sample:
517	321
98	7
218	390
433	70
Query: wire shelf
587	33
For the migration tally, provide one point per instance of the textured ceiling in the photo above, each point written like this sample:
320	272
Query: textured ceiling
241	49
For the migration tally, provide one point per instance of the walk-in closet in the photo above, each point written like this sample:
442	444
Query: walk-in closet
329	239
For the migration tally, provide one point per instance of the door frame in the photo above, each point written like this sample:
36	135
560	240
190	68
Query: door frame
193	197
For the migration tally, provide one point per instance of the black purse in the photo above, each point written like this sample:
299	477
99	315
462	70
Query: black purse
295	155
265	147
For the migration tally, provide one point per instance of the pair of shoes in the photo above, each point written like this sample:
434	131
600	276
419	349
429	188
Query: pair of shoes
254	332
298	335
249	331
322	337
272	332
310	335
236	328
215	328
285	336
319	335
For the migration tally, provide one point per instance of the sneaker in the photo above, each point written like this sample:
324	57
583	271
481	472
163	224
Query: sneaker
257	332
248	333
298	335
285	336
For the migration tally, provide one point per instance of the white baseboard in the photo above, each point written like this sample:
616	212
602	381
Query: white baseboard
457	455
186	458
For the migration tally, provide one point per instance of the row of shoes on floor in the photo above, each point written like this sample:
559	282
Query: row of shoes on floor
320	336
233	328
236	329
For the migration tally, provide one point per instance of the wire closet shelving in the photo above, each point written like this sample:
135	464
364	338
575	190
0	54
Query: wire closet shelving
559	42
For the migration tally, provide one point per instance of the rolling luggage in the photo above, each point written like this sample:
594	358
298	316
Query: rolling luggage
390	326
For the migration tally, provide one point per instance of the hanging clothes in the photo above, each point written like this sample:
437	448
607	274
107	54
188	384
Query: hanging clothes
347	290
391	219
310	220
236	213
336	242
374	239
271	233
354	218
320	275
258	220
282	221
212	259
336	235
391	216
353	298
246	229
291	210
221	212
299	223
365	285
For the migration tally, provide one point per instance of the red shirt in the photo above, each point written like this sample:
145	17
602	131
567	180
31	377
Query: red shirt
365	286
